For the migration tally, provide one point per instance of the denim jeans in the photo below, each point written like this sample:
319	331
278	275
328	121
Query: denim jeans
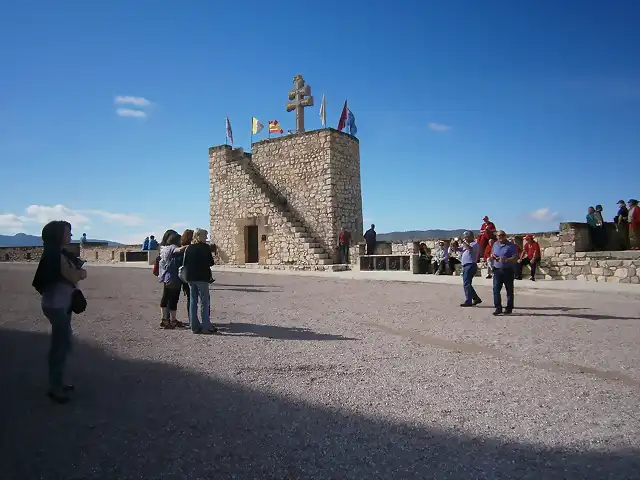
60	345
199	292
468	272
503	276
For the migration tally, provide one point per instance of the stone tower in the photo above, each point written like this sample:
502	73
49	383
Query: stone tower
284	204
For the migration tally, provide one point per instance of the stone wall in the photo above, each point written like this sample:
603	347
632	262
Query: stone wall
92	254
298	190
566	255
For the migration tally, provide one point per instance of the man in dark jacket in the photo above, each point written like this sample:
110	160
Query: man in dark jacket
370	239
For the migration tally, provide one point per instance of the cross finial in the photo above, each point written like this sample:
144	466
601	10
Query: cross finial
297	95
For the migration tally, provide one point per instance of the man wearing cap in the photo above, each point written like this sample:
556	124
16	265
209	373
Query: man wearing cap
622	224
530	256
487	232
505	257
469	260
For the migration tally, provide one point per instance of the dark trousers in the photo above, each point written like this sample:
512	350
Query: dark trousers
170	297
60	345
623	235
533	267
503	276
424	265
187	293
344	254
371	247
598	237
468	272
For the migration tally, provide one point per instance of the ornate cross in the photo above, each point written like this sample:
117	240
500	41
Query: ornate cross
298	94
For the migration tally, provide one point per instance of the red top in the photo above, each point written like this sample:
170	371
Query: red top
635	221
487	251
489	226
532	250
344	238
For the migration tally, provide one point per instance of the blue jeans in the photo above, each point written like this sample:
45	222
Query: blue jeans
503	276
60	345
468	272
199	291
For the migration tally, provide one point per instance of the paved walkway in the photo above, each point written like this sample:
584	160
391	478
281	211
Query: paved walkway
322	377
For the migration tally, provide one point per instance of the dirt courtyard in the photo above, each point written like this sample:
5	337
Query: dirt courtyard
325	379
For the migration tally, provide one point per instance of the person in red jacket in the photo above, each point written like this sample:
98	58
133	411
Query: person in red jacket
488	258
487	232
530	256
634	224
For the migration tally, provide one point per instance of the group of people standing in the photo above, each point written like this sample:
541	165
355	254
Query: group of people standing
184	265
627	224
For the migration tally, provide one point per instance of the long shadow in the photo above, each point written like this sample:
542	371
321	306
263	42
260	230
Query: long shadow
246	290
135	419
276	333
584	316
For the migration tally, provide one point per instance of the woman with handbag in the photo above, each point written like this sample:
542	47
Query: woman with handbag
171	254
196	270
58	273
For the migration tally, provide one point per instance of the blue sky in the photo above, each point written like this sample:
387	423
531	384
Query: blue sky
527	111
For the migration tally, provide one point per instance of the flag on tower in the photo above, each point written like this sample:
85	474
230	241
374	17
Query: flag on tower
256	126
351	123
228	131
343	117
323	111
274	127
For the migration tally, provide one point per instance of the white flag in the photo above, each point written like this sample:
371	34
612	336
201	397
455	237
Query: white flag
323	111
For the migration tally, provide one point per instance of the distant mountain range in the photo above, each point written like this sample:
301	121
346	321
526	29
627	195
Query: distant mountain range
420	235
24	240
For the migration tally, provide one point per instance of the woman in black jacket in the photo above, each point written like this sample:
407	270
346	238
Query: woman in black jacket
198	260
56	278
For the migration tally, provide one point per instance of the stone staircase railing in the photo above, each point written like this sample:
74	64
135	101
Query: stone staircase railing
292	218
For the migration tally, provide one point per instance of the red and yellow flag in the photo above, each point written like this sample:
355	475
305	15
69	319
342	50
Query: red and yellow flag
274	127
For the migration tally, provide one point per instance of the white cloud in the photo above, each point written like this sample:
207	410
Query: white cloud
12	223
121	218
42	214
439	127
137	101
129	112
544	215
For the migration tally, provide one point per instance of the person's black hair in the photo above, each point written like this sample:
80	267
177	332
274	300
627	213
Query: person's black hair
53	233
174	239
152	237
165	237
599	207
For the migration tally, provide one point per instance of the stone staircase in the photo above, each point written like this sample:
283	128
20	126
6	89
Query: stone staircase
294	222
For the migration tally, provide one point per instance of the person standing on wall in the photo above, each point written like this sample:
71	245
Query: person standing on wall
634	224
469	260
344	242
622	224
505	257
530	256
370	239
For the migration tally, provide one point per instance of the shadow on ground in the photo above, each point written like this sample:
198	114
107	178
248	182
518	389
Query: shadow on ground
561	312
147	420
276	332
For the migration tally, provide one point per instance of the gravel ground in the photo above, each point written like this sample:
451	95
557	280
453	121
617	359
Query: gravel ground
326	379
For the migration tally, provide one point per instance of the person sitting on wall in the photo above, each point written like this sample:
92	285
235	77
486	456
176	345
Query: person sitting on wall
424	260
622	224
145	244
344	242
370	239
530	256
454	249
440	258
153	243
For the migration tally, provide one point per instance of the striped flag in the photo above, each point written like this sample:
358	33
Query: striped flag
274	127
229	132
256	126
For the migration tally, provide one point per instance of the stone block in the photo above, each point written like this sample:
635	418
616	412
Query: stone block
581	254
635	280
621	272
613	263
613	279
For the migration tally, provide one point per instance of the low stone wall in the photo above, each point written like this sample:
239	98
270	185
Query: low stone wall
92	254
